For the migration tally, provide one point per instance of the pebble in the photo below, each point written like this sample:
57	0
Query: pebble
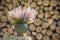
33	38
33	4
35	0
3	24
10	30
45	2
30	1
23	2
39	2
8	25
6	9
3	2
3	19
0	24
44	31
52	27
47	14
50	21
58	30
14	33
41	15
10	6
49	32
58	23
6	34
53	3
8	1
37	22
39	29
50	8
57	7
28	33
1	38
39	36
51	12
58	16
11	22
4	30
1	7
56	36
15	4
46	38
13	26
40	11
0	14
15	1
55	17
56	12
34	33
41	7
32	27
44	25
45	8
37	8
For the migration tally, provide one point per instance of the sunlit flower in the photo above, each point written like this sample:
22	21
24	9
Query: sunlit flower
26	13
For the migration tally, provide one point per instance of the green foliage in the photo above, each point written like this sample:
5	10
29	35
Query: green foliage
18	21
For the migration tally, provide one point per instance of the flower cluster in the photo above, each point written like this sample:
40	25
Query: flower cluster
26	13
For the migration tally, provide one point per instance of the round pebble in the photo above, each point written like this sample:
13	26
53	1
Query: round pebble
47	14
52	27
8	1
33	4
8	25
39	36
49	32
37	22
3	24
53	3
58	30
41	15
56	36
39	2
45	8
58	23
3	19
46	38
50	8
4	30
15	1
10	30
45	2
37	8
32	27
0	24
44	25
38	29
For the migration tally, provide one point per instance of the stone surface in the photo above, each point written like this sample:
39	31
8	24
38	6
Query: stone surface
46	38
58	30
3	18
32	27
56	36
39	29
39	36
46	26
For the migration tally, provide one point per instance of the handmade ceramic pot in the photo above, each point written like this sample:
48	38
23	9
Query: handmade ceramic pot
21	28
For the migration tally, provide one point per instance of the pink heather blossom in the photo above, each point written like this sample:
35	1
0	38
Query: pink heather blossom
26	13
